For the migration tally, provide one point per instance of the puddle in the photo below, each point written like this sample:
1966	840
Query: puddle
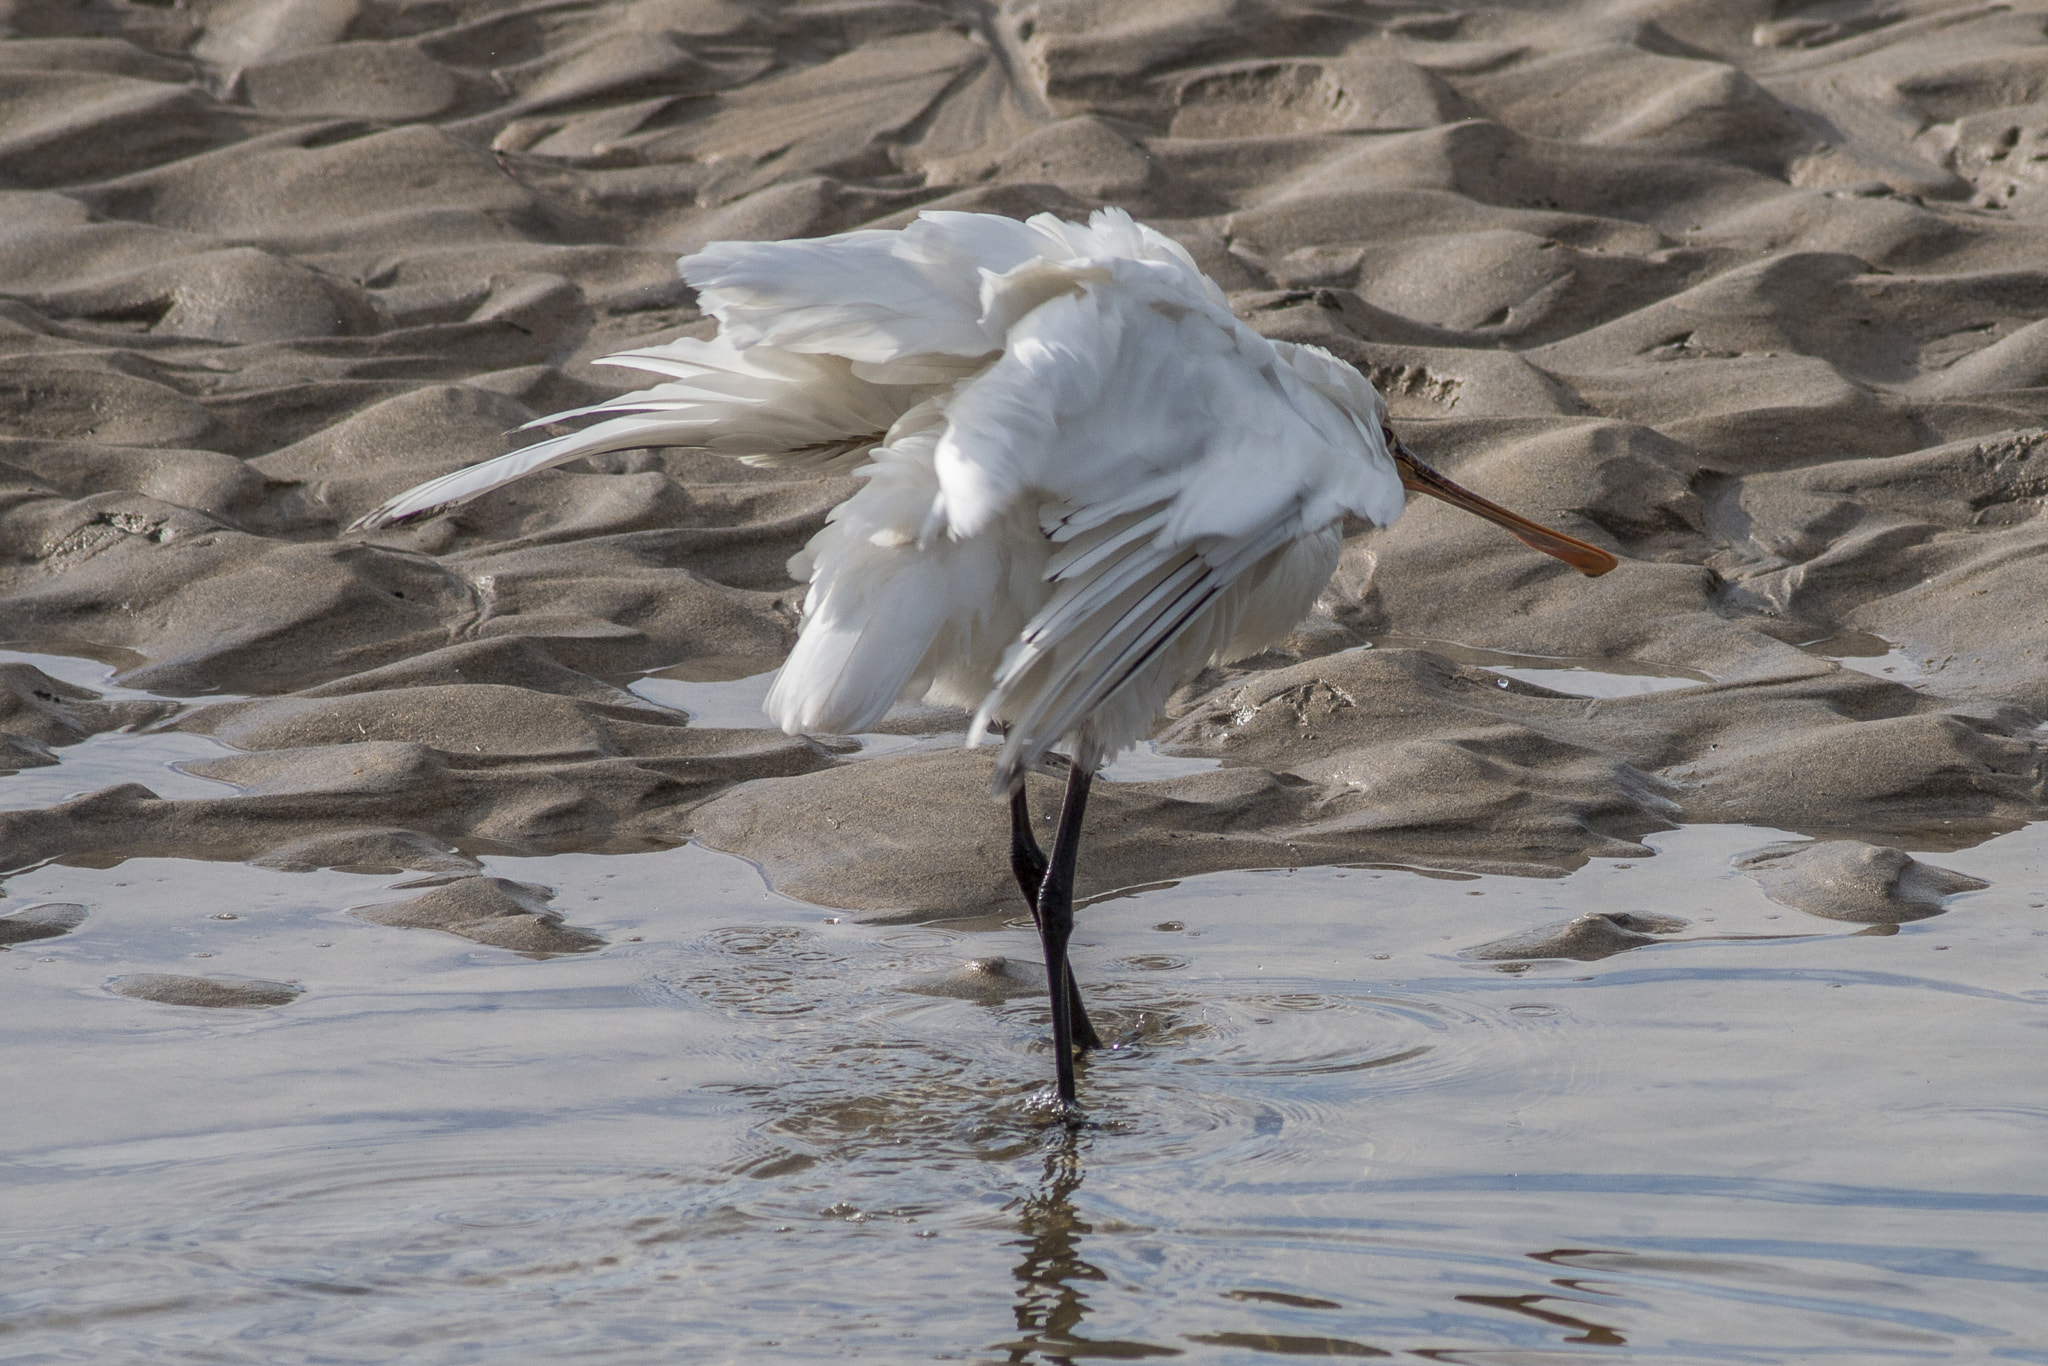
1144	764
113	757
1583	682
149	757
1578	676
98	674
1896	665
716	704
82	671
876	745
736	704
1876	656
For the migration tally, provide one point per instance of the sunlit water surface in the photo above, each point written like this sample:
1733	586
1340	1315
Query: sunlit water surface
742	1132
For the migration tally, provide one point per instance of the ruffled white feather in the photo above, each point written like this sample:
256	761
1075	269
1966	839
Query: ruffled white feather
1083	478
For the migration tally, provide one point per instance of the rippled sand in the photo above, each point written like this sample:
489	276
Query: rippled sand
1749	292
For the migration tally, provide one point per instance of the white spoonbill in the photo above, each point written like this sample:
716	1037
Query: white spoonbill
1084	480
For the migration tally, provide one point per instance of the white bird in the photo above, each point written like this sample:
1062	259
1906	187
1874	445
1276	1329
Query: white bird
1084	480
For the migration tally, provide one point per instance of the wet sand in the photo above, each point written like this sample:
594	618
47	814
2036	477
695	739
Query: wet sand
1753	298
406	923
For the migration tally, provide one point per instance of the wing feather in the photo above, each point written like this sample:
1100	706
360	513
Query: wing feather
1178	462
1067	693
1082	555
872	295
1110	618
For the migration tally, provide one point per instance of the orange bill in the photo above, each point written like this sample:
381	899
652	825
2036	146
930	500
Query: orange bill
1589	560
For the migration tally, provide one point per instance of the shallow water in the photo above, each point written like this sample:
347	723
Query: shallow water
735	1135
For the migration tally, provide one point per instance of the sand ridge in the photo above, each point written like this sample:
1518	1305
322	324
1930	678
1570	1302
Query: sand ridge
1750	293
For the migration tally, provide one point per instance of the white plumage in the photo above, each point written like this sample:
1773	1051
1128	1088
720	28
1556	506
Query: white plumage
1083	481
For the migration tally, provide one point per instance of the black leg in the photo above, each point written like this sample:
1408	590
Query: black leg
1027	861
1056	920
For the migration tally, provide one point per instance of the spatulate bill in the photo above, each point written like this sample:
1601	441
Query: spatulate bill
1417	477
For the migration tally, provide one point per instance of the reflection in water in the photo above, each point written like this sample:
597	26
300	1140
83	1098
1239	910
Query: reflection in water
1590	1333
1289	1344
1597	1335
1050	1305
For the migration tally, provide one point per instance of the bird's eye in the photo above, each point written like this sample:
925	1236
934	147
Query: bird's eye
1387	432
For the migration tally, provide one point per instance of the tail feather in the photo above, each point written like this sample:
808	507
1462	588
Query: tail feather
763	407
453	490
